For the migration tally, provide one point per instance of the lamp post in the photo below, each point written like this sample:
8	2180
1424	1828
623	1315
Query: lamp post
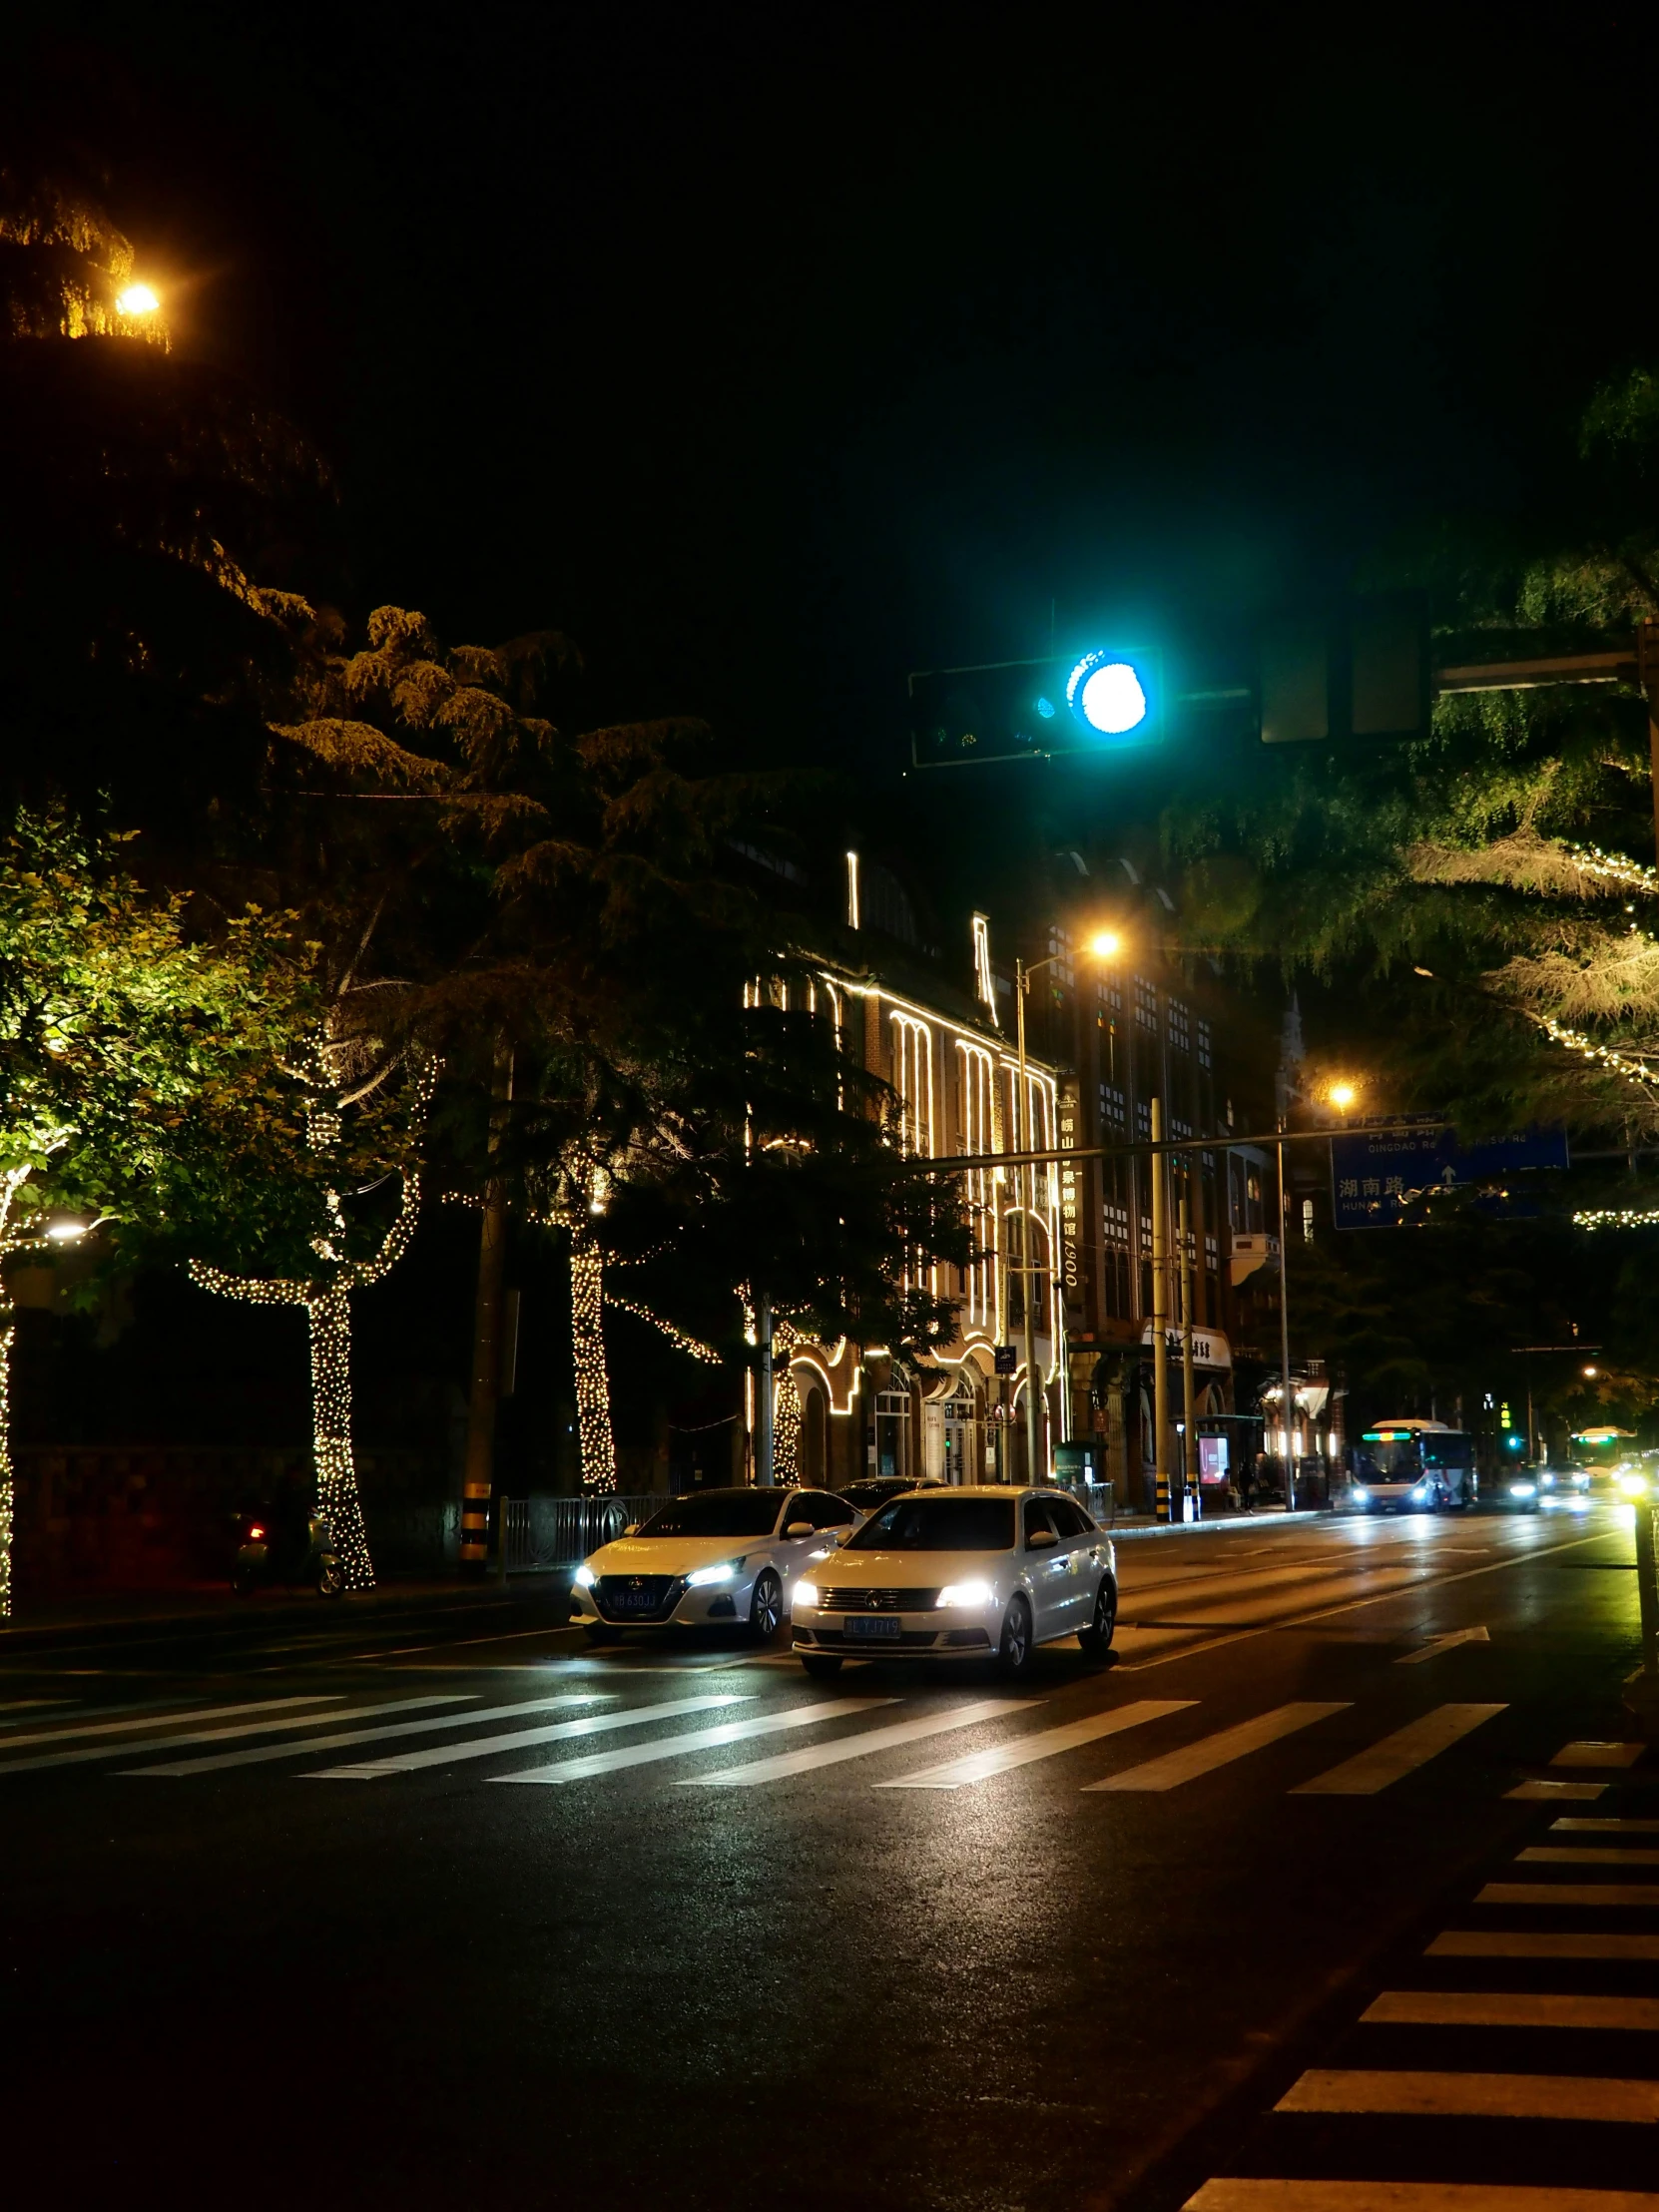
1105	946
1160	1318
1189	1410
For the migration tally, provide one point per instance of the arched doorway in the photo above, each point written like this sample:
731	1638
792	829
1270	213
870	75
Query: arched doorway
815	1453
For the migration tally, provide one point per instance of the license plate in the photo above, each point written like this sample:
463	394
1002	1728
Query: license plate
633	1601
874	1626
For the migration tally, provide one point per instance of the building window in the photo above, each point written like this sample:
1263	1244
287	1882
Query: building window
1146	1004
1179	1029
1115	1270
1111	990
1143	1121
912	1079
1060	952
1206	1052
1114	1110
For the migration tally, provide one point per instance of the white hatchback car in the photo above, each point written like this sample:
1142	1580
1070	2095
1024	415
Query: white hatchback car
940	1574
712	1556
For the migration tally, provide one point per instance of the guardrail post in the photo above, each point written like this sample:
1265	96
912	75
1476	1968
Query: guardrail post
1647	1583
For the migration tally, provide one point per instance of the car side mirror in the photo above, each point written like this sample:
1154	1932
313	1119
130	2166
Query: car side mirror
631	1529
1040	1539
801	1529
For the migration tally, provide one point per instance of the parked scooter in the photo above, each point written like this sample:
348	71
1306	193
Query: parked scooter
293	1552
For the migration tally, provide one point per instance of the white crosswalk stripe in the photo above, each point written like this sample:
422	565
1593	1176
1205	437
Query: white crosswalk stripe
520	1738
1510	2008
1021	1750
1578	1855
1504	1943
1221	1748
86	1752
187	1714
1401	1754
1249	2195
183	1769
1494	2096
701	1739
786	1763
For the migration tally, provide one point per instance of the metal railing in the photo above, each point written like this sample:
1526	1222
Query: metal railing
560	1531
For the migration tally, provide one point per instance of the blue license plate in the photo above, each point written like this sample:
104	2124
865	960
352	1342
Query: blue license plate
873	1626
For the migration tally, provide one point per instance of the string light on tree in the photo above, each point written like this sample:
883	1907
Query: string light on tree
1616	1217
786	1429
593	1388
1575	1040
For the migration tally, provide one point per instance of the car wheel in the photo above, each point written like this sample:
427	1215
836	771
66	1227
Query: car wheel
1096	1639
1013	1654
596	1632
820	1665
766	1609
330	1577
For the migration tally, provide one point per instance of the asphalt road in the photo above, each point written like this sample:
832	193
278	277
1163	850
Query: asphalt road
281	1927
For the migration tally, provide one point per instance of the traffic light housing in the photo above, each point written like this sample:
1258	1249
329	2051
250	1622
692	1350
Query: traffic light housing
1102	700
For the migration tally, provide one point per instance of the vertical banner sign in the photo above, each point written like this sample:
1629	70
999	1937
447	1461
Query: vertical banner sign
1073	1243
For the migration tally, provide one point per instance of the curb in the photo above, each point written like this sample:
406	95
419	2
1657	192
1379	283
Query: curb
1215	1527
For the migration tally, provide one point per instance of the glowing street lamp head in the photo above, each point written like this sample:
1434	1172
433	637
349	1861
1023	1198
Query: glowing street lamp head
137	299
1343	1096
1106	944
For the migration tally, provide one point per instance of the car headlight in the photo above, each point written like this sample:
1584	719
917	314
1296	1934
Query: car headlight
964	1593
1361	1496
805	1593
1422	1491
701	1577
1546	1481
583	1577
1633	1485
1523	1490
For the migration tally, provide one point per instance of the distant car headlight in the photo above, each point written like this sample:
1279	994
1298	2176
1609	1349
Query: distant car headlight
1547	1483
1361	1496
1523	1490
1422	1491
1633	1484
701	1577
583	1577
964	1593
805	1593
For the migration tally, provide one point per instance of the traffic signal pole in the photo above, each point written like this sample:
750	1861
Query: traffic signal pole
1160	1318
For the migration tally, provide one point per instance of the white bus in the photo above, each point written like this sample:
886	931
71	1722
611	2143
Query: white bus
1414	1466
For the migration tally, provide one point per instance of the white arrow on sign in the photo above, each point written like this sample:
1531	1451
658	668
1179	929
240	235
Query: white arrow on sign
1437	1644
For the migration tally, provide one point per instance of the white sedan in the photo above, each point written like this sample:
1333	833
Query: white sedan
710	1558
940	1574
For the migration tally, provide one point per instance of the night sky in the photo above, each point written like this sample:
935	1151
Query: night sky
770	355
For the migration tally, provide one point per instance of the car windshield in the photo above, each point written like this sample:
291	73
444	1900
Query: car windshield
939	1524
864	1495
717	1514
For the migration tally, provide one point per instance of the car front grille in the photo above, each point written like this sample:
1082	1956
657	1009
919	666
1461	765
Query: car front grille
841	1600
637	1597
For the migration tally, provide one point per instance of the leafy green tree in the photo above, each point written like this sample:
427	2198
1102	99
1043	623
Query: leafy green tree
132	1053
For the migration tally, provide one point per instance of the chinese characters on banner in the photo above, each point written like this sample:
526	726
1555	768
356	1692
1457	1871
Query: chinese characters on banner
1074	1245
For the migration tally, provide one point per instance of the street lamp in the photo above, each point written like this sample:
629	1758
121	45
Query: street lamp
137	300
1105	945
1341	1096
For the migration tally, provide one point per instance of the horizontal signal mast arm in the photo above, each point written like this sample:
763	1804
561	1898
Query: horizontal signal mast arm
983	1159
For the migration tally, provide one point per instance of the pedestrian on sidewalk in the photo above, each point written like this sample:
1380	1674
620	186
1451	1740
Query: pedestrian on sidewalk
1249	1475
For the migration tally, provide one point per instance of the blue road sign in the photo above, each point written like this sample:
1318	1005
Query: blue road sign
1375	1174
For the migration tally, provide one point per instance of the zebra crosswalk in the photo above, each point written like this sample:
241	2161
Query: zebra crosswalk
1514	2067
699	1739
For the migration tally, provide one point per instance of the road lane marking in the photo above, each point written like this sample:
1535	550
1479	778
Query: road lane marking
1505	1943
1401	1754
519	1739
1221	1748
979	1766
1509	2008
1587	1753
187	1767
1447	1642
1570	1893
1546	1791
1605	1827
1494	2096
180	1716
85	1752
1303	1620
1580	1855
1410	2196
786	1763
701	1739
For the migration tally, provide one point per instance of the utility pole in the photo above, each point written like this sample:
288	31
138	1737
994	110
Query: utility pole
478	1473
763	1411
1024	1122
1287	1404
1189	1413
1160	1319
